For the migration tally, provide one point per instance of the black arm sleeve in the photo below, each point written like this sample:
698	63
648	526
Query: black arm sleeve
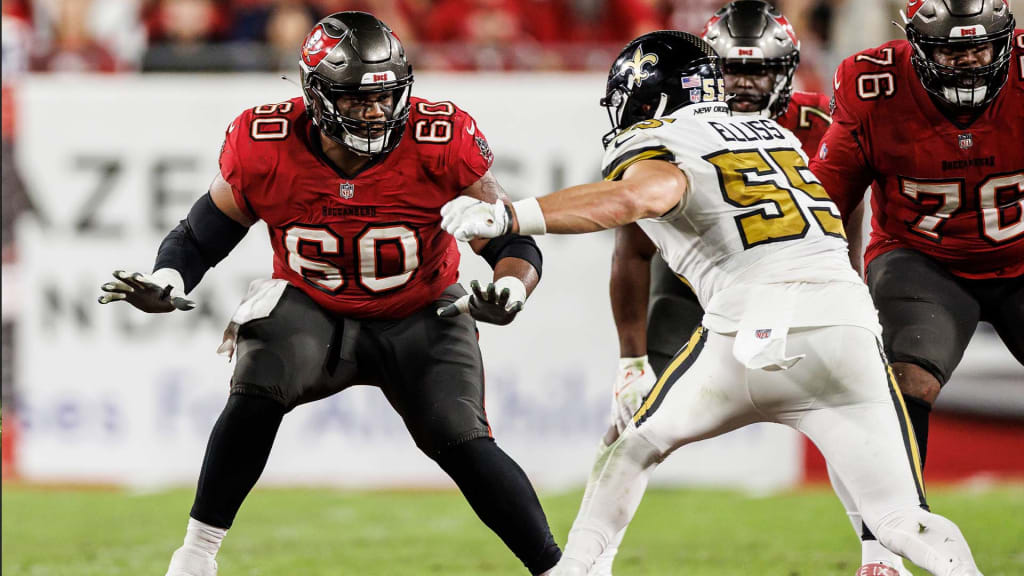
199	242
513	246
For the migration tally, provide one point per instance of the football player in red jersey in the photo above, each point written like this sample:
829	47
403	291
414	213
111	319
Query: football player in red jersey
652	306
349	179
934	124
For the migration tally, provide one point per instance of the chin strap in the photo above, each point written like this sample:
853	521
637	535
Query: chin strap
661	105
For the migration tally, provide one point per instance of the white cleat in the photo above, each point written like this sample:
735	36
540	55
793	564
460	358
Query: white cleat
186	562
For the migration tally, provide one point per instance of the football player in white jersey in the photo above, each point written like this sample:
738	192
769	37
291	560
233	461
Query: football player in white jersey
790	334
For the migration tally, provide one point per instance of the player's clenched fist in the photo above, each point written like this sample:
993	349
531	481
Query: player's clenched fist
498	303
467	218
148	292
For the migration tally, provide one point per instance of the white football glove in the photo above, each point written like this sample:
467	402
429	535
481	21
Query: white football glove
498	303
467	218
158	292
635	380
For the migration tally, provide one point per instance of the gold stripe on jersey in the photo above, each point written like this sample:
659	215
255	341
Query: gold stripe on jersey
679	365
909	440
687	282
617	167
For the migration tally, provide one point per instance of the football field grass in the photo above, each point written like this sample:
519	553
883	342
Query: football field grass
316	532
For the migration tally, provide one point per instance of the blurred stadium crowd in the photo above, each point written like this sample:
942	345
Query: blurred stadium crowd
452	35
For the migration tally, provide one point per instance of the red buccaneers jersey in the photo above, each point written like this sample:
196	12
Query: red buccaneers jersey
955	194
807	117
370	245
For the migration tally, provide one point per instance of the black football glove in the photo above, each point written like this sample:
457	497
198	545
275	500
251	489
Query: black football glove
154	293
498	303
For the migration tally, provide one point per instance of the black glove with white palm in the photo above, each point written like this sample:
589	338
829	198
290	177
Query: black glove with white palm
498	303
158	292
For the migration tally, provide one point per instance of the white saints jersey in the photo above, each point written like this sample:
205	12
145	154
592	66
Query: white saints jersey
755	235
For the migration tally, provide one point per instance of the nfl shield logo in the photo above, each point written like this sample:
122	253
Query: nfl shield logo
347	189
762	333
966	141
696	95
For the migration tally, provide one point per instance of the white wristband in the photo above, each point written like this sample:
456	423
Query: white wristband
170	276
530	217
516	289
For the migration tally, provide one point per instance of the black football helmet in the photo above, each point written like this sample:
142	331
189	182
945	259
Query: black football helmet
752	37
355	54
659	73
960	23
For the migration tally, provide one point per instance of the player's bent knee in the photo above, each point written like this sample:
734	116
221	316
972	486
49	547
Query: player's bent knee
441	443
917	382
261	392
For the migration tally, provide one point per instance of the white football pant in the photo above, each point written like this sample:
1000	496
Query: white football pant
841	395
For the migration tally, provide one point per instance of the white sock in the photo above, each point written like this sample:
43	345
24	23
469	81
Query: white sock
847	500
203	538
603	565
871	552
614	490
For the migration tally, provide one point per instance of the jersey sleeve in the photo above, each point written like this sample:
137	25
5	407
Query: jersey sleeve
841	162
231	160
633	145
468	157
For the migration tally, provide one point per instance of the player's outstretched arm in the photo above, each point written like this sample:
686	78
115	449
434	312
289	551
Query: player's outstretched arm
516	261
213	227
648	189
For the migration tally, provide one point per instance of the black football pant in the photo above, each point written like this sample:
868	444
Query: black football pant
929	315
430	371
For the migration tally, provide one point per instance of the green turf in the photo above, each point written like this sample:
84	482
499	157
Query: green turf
332	533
